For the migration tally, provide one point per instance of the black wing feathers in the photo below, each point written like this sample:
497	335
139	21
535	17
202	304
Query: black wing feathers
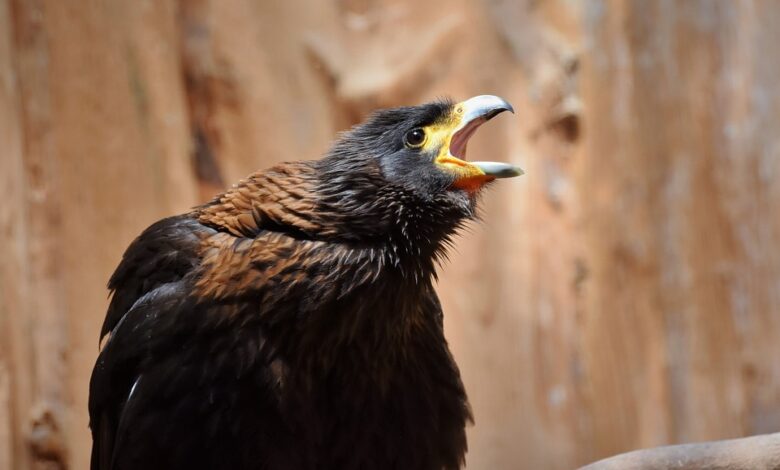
118	369
147	283
165	252
163	387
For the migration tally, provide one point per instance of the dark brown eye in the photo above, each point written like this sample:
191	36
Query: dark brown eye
415	137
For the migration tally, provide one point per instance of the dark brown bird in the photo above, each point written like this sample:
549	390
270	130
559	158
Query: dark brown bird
292	323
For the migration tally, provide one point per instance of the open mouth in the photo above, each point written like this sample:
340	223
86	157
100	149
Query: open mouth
460	139
473	175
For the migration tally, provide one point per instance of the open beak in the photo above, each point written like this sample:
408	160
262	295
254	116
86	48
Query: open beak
468	116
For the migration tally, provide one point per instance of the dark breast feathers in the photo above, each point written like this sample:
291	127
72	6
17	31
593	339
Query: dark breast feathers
251	334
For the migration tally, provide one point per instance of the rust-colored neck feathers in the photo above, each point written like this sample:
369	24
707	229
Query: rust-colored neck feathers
280	198
352	206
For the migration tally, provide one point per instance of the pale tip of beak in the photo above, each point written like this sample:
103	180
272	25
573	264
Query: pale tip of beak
498	169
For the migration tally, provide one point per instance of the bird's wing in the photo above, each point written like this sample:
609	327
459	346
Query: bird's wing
165	252
167	341
165	332
148	282
178	382
277	200
114	387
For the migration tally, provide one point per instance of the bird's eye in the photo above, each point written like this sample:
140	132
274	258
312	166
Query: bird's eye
415	137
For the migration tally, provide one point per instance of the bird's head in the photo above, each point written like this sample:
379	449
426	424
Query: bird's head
405	169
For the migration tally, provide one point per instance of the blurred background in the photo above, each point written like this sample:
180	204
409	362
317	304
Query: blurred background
625	293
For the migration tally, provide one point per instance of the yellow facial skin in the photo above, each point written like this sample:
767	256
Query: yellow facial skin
438	136
448	136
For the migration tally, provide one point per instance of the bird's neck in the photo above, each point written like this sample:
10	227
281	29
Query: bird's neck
358	208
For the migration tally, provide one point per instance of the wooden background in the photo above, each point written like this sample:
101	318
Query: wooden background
624	293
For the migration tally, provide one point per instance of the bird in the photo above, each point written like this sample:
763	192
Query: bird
292	322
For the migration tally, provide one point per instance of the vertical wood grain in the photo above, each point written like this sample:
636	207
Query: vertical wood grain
15	377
